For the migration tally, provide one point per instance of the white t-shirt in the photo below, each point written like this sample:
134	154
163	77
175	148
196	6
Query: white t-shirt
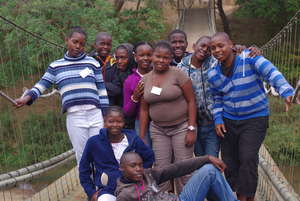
119	148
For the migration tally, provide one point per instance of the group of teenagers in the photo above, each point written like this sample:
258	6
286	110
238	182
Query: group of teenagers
146	117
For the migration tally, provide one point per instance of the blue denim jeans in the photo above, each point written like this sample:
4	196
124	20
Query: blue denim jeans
207	178
207	143
137	130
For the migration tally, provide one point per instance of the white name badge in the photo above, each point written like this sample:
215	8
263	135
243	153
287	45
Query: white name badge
85	72
156	90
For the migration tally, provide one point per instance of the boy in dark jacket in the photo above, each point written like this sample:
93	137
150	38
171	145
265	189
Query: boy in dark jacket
102	51
138	184
102	155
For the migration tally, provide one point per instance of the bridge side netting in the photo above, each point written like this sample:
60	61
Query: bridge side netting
283	138
32	134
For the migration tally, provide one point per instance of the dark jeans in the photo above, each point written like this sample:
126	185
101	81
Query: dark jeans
207	143
239	150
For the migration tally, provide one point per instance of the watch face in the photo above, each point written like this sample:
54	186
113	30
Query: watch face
191	128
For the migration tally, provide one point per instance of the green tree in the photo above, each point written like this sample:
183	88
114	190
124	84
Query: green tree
51	19
277	11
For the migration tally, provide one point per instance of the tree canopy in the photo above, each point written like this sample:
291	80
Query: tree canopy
278	11
23	54
52	19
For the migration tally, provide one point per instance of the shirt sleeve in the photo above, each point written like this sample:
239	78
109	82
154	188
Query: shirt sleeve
85	171
47	80
178	169
181	76
102	92
130	108
145	152
272	76
217	105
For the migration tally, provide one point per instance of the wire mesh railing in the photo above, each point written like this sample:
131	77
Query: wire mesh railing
30	136
283	138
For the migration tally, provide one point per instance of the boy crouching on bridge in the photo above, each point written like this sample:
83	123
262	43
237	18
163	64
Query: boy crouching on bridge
139	184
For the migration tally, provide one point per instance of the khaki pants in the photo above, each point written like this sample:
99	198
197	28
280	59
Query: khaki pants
169	143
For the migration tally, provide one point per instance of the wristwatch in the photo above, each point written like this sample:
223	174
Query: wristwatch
191	128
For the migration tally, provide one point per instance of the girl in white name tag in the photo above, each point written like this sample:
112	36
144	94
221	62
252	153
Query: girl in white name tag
79	80
169	101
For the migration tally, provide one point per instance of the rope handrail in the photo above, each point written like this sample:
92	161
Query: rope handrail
14	180
278	35
37	166
29	32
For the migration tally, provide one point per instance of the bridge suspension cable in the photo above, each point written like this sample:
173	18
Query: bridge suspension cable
34	138
283	138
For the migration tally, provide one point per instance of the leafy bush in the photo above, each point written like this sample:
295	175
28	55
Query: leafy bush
23	55
41	137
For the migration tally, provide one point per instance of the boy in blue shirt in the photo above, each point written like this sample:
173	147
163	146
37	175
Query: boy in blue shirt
241	110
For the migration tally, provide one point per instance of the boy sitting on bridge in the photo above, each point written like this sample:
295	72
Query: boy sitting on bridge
139	184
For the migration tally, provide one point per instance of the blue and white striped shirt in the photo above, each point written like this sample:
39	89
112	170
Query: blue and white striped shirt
79	81
242	95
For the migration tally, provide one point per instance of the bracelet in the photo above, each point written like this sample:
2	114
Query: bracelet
135	101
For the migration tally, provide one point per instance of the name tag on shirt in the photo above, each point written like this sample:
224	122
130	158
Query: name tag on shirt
85	72
156	90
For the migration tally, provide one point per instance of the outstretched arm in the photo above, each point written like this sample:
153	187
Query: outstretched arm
38	89
185	167
274	77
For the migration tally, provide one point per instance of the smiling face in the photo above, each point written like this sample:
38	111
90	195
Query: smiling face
221	48
114	122
75	44
143	56
122	58
132	168
178	44
161	59
201	49
103	46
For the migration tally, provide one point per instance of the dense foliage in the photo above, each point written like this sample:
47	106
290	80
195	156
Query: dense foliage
37	138
283	138
277	11
22	54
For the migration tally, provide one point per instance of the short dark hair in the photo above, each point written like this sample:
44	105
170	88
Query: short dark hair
125	155
221	34
100	35
177	31
114	108
165	45
76	29
201	38
140	44
125	46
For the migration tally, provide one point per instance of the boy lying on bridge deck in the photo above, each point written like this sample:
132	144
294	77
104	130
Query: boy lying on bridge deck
139	184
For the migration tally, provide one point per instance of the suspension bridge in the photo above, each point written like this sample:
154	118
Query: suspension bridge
34	140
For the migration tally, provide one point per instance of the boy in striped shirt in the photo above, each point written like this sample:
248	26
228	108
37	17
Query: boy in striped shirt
241	110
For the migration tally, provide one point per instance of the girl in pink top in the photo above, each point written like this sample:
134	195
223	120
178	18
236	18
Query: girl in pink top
133	89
